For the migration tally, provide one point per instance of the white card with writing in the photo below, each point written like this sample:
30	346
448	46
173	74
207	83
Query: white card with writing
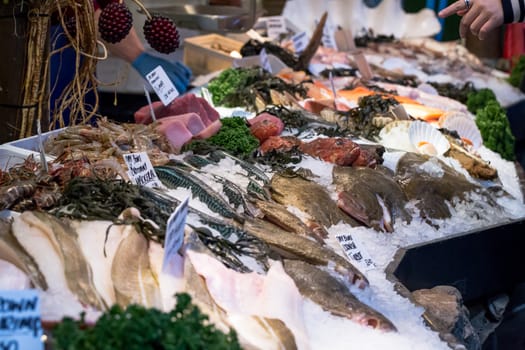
275	25
328	38
300	42
162	85
21	326
206	94
175	232
265	60
140	170
355	251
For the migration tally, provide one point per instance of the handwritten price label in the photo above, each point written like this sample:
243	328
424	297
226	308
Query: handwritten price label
275	26
175	232
140	170
300	42
162	85
355	251
20	325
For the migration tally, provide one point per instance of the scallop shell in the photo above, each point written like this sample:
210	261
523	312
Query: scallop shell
466	128
427	139
394	135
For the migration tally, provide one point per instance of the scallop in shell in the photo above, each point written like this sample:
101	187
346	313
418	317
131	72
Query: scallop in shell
427	139
394	135
466	128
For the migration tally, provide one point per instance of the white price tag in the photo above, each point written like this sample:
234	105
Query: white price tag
300	42
355	251
275	25
140	170
265	60
162	85
175	233
241	113
20	323
207	96
328	38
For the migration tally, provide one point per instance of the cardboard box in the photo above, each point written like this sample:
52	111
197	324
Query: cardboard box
209	53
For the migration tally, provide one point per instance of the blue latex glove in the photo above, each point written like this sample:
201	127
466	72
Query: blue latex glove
178	73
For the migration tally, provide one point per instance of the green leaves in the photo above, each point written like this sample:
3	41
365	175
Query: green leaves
139	328
495	129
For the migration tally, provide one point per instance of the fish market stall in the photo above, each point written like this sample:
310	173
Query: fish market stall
297	189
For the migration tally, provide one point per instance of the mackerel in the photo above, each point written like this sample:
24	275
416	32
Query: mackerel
251	169
168	204
198	161
174	177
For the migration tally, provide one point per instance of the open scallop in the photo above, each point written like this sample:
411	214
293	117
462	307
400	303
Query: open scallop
394	135
466	128
427	139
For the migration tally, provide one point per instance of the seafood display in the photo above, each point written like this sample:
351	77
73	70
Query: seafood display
263	248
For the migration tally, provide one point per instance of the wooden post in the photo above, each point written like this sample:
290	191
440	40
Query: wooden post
16	100
13	36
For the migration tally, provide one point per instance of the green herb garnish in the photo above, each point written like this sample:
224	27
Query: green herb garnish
495	129
140	328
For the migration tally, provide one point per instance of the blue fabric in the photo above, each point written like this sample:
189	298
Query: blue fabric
62	71
179	74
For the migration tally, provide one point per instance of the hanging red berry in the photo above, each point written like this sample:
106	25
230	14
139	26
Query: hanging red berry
115	22
161	34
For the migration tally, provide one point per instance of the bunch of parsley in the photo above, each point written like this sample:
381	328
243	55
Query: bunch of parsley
140	328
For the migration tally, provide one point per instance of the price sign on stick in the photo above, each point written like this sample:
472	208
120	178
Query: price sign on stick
140	170
162	85
300	42
355	251
175	232
20	325
275	25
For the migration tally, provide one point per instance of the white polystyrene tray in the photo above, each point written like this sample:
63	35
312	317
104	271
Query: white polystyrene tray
31	143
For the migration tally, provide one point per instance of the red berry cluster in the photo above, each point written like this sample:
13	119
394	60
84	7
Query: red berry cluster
161	33
116	21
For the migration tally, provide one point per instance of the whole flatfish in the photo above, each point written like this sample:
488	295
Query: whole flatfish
333	296
293	246
310	197
370	196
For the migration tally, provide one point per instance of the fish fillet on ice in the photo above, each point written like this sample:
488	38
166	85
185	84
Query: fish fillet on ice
273	296
100	252
131	272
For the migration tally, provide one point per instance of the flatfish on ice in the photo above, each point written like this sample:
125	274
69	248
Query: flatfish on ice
370	196
333	296
309	197
434	185
293	246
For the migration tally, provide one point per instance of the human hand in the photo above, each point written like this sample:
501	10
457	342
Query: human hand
480	17
178	73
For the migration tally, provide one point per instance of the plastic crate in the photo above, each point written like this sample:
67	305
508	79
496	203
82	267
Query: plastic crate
209	53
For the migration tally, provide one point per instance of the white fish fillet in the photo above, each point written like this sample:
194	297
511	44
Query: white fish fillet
43	249
58	301
273	296
170	281
92	240
131	272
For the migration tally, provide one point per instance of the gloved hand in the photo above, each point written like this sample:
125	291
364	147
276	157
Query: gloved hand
178	73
